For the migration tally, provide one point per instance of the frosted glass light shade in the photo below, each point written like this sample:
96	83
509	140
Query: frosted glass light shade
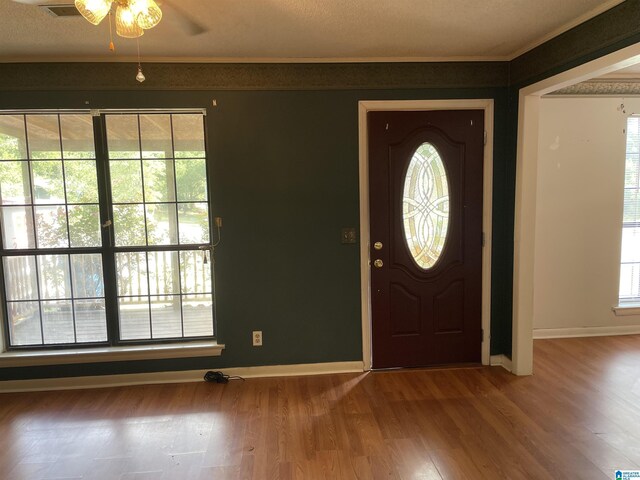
126	25
146	12
93	10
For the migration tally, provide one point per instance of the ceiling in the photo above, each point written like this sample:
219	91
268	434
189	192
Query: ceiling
305	30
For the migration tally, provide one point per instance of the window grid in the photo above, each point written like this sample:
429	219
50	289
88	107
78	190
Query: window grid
178	207
147	158
629	291
31	210
166	269
38	247
70	294
28	162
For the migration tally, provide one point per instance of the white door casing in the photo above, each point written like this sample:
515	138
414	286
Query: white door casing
365	272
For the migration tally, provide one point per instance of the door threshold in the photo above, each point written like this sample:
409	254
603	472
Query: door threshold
430	368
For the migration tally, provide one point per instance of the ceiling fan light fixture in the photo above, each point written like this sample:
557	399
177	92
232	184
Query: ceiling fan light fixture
146	12
126	25
93	10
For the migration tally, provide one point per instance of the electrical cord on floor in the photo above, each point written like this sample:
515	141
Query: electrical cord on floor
219	377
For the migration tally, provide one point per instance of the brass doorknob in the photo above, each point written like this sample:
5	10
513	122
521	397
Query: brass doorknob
378	263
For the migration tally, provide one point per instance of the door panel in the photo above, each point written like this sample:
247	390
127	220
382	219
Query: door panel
426	278
404	306
448	313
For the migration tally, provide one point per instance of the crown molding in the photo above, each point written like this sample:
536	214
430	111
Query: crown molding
236	60
619	87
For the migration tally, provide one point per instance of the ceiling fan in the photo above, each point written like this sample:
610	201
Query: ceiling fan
132	16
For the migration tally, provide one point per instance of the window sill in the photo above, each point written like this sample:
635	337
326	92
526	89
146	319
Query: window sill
628	309
110	354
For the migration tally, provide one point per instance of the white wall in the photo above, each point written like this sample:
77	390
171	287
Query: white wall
579	214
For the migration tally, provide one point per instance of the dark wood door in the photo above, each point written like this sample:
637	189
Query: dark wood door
425	180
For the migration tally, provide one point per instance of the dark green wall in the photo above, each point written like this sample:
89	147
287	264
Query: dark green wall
614	29
285	180
284	155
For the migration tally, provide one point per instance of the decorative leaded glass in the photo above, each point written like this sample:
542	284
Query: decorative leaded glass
425	206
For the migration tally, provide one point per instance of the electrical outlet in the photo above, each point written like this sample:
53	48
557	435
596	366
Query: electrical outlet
257	338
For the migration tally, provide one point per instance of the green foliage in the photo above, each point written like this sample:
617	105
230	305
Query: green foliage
11	148
14	182
84	226
82	184
126	181
162	180
191	179
128	221
51	226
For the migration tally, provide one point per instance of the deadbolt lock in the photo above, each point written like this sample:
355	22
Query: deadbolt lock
378	263
377	246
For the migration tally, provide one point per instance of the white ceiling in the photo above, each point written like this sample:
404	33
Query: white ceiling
299	30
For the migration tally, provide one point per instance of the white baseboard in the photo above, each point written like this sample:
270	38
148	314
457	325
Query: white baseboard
539	333
501	361
294	370
104	381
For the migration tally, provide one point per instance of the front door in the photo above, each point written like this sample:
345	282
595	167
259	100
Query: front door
425	183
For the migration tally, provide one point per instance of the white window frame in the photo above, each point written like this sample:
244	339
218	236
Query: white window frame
106	353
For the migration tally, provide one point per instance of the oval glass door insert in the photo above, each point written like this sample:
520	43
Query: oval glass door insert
425	206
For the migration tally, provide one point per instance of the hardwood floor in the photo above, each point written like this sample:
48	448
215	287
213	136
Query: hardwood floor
577	417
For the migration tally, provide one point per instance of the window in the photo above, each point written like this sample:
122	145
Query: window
105	228
630	257
425	206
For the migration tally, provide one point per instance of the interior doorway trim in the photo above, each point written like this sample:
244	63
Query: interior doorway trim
366	106
526	185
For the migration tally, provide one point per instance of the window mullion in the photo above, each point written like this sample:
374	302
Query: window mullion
35	226
106	216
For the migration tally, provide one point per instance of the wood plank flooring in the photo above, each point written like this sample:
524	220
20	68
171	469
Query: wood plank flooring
577	417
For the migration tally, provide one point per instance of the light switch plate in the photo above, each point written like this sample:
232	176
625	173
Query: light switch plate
349	235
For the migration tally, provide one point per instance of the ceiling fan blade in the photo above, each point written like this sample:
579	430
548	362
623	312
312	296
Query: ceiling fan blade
183	20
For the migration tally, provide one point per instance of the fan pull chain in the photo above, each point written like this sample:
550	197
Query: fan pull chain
140	76
112	47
